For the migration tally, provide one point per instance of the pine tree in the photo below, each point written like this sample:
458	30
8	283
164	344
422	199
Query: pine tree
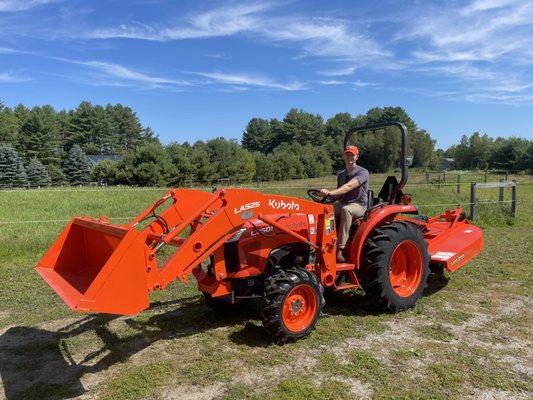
80	126
56	174
77	167
127	129
8	125
39	136
12	173
37	174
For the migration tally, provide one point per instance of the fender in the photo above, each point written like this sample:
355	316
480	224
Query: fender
376	217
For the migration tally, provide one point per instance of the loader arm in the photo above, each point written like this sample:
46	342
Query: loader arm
222	214
97	266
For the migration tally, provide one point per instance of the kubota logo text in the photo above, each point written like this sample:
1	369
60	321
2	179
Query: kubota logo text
247	206
282	205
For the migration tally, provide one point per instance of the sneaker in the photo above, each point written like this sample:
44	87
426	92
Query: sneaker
340	256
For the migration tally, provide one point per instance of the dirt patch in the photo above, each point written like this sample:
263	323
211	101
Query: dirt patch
359	389
192	392
498	395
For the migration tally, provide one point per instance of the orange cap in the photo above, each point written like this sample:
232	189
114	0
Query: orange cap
352	150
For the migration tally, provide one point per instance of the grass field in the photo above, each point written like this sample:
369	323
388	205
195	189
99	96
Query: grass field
469	337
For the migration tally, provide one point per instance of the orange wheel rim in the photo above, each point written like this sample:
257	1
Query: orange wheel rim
299	308
405	272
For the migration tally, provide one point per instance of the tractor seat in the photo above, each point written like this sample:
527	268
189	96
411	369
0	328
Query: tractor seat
388	188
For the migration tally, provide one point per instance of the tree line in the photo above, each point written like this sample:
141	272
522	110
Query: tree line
479	151
41	146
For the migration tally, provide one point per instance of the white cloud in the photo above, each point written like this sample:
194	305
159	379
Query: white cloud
20	5
481	49
361	84
338	72
484	5
478	35
7	77
122	72
499	98
6	50
224	21
111	74
250	80
331	82
320	37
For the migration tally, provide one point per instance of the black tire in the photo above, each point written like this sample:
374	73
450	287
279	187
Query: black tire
375	277
284	285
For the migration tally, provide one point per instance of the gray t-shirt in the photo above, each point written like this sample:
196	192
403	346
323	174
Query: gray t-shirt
359	194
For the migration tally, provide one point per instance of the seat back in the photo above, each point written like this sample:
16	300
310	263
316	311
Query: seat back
388	188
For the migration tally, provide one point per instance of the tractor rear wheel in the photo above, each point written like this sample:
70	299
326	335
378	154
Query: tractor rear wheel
395	265
292	302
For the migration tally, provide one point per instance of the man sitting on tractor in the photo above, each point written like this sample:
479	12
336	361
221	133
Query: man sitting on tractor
351	195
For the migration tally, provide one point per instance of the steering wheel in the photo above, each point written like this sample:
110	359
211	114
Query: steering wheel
320	197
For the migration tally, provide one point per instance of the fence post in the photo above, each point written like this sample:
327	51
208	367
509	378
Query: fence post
500	193
486	173
458	184
444	176
472	201
438	182
506	175
427	177
513	199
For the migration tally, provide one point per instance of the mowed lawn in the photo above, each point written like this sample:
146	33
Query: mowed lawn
469	337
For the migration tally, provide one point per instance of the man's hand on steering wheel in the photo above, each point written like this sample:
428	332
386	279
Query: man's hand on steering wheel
321	196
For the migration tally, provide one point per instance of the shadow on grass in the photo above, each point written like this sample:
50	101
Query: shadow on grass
354	302
436	282
36	363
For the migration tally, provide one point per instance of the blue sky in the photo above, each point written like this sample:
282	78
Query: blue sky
200	69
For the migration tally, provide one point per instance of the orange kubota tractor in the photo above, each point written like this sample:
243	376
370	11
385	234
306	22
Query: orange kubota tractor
242	244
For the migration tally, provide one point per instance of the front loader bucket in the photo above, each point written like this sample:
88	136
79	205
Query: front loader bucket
95	266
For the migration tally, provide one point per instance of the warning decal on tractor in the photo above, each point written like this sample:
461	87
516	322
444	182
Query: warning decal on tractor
442	255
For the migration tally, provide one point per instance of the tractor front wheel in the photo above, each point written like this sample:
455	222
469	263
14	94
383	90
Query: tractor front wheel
292	302
396	265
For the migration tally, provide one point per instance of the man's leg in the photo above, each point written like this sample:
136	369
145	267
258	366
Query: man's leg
343	219
347	212
356	210
338	216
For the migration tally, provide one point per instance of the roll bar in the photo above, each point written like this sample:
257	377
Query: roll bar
405	140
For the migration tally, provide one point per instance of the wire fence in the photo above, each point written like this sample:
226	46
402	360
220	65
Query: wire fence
276	186
440	205
52	220
106	189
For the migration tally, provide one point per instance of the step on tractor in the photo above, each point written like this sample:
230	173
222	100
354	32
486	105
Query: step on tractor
241	244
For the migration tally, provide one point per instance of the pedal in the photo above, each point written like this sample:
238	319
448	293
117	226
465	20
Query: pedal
345	267
346	286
